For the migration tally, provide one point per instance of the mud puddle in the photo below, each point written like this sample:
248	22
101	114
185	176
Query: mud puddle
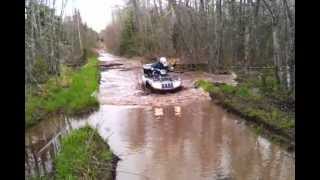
175	136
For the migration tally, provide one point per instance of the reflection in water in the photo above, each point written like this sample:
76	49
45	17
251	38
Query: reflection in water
43	142
177	110
202	143
158	111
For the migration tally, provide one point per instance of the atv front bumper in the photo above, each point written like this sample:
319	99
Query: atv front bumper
166	85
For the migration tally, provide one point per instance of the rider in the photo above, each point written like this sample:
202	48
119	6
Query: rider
161	64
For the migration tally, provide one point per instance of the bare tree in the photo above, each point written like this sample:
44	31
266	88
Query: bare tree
52	40
218	32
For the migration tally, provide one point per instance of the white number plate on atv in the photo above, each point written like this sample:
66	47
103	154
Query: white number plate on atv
167	85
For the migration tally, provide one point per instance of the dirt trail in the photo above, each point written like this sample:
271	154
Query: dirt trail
124	75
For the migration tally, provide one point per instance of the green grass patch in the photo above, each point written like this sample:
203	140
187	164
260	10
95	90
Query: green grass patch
228	89
251	101
83	155
258	130
207	86
243	92
70	93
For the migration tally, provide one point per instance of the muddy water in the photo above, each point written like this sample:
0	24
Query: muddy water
180	136
198	141
122	85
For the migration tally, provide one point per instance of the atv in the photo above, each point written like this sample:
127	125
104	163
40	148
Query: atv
160	80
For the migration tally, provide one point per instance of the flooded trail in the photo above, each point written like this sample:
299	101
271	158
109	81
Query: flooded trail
174	136
121	85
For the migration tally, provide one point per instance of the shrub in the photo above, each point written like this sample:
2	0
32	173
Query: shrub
207	86
40	71
243	91
228	89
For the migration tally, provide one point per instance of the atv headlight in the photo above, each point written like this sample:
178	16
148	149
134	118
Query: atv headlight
176	83
156	85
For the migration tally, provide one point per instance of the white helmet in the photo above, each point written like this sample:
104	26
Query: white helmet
163	61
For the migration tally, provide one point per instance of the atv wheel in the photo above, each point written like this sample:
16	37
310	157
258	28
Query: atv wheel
148	88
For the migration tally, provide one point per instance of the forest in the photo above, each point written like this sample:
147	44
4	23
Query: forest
52	39
56	46
224	34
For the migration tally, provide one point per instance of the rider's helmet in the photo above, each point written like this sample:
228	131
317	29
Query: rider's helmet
163	61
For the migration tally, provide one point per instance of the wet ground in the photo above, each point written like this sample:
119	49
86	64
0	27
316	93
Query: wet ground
174	136
121	85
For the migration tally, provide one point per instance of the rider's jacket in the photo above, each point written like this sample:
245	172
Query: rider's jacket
158	65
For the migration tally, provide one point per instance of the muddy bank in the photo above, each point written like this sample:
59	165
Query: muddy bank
71	93
266	120
114	163
44	143
273	133
84	154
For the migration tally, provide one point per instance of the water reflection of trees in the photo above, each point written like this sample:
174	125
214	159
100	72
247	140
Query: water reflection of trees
134	128
42	144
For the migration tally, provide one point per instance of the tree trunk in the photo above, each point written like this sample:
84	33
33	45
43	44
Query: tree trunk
247	35
79	34
219	35
254	38
276	54
160	7
137	15
291	55
274	12
240	49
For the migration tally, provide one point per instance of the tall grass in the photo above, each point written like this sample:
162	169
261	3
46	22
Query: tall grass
71	93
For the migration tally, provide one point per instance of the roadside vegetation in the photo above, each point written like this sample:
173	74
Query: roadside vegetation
84	155
60	69
257	98
71	93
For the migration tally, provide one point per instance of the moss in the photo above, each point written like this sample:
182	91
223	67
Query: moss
83	154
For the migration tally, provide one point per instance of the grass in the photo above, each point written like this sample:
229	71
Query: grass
253	103
207	86
71	93
84	155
